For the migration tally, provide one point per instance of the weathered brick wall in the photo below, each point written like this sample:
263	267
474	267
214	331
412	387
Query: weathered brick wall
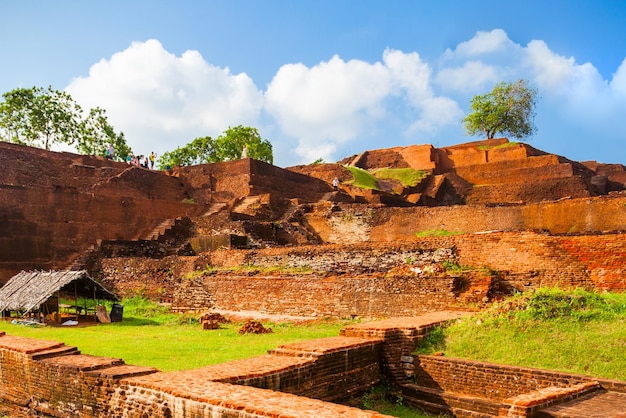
47	219
374	279
367	296
43	377
467	388
570	216
486	380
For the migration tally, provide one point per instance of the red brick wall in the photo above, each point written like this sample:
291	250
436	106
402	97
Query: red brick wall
486	380
42	377
376	279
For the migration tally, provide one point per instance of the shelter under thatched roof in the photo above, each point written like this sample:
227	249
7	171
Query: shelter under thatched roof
28	290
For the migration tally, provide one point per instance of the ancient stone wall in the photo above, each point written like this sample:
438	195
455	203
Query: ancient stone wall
374	279
569	216
55	206
465	387
47	378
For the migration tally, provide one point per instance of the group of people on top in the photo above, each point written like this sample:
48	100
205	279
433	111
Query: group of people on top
136	160
142	160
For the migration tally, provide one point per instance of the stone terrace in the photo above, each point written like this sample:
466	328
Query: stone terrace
36	376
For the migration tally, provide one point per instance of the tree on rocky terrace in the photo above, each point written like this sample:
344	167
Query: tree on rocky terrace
509	110
228	146
231	143
201	150
43	117
96	134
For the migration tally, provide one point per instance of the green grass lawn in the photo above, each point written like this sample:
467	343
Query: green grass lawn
575	332
174	347
148	336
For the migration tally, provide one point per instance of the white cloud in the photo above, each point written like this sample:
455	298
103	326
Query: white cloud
470	77
333	99
618	83
335	102
476	65
161	101
496	41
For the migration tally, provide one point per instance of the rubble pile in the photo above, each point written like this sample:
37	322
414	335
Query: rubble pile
254	327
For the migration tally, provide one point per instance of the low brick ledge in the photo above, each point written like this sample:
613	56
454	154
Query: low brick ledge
123	371
526	404
398	323
83	362
437	401
255	402
19	401
231	371
321	346
27	345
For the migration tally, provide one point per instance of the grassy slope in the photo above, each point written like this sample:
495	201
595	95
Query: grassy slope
576	332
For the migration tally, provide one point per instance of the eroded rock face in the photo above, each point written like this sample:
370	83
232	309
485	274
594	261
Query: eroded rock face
57	207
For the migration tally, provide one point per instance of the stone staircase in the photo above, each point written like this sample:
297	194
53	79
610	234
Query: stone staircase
213	209
161	229
244	206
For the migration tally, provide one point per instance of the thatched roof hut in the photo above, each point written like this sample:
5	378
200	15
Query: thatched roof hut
28	290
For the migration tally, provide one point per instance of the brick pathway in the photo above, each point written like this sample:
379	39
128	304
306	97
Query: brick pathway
600	404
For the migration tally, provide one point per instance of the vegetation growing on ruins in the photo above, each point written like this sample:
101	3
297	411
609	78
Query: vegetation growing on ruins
505	145
388	401
436	233
571	331
362	178
365	179
250	269
407	176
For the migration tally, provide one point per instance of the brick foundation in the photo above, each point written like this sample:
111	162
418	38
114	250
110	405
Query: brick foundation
466	388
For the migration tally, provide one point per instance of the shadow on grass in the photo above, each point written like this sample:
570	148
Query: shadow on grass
133	322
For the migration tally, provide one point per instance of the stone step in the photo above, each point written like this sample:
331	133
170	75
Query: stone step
245	204
64	350
213	209
160	229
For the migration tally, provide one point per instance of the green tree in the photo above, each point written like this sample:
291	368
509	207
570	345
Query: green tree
201	150
43	117
231	143
228	146
509	110
96	134
39	117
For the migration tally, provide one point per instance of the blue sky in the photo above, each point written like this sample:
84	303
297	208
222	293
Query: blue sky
326	79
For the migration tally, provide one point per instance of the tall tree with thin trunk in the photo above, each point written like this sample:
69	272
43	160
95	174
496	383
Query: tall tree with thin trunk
508	110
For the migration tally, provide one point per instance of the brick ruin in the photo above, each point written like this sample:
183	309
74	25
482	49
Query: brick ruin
247	236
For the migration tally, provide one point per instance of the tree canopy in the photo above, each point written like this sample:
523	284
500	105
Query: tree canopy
509	110
44	117
228	146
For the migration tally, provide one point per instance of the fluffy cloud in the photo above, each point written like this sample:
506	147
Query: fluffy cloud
327	105
336	108
483	43
335	102
161	101
472	76
618	84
